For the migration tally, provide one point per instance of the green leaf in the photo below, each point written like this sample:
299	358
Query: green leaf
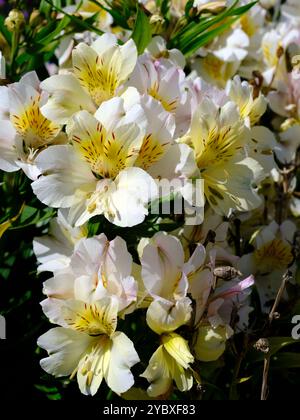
79	23
197	34
93	228
57	29
285	361
119	19
142	33
45	7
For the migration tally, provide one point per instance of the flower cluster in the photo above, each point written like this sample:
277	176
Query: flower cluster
112	140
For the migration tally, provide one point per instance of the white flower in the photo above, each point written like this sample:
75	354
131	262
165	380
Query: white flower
272	256
168	279
233	46
162	259
98	268
218	137
165	83
222	58
95	175
159	153
89	345
53	251
98	72
230	305
27	131
251	109
158	51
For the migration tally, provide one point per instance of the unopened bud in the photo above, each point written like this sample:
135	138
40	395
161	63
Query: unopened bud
214	7
157	24
35	19
226	273
15	21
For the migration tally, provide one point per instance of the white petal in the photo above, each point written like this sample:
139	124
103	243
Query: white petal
122	358
65	348
64	173
66	98
164	316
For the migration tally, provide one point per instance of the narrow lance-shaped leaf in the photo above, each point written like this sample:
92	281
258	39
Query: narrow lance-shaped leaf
142	31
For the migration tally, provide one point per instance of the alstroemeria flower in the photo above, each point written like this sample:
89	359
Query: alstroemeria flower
157	49
251	110
232	296
167	84
98	72
167	278
88	345
218	137
222	58
27	132
242	93
95	174
88	9
171	361
54	251
98	268
272	256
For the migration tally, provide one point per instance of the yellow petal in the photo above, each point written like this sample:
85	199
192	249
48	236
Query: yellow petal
178	348
6	225
210	344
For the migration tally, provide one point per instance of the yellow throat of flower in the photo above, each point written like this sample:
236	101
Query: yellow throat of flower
169	106
274	255
100	79
93	320
219	146
33	127
105	153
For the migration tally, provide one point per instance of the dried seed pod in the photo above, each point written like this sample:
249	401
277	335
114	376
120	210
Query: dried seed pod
226	273
262	345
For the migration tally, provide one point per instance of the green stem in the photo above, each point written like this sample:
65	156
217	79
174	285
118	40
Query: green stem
14	50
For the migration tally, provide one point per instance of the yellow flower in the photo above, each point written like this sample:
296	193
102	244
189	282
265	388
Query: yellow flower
171	361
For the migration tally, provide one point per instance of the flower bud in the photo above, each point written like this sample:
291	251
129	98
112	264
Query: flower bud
157	24
35	19
210	343
15	21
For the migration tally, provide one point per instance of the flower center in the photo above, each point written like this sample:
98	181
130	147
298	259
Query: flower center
33	127
220	145
275	254
169	105
106	154
99	79
93	320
